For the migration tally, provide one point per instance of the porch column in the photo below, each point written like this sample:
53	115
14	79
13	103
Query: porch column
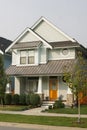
17	85
40	85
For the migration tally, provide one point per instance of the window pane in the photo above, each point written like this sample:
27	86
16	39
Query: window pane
22	60
31	60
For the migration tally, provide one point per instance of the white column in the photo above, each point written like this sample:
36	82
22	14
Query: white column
69	91
40	85
8	88
17	85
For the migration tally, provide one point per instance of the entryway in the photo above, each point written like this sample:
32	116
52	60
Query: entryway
53	88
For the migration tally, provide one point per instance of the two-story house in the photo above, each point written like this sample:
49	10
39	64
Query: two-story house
39	55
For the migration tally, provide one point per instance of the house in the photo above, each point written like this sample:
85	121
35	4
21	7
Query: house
39	55
4	43
7	58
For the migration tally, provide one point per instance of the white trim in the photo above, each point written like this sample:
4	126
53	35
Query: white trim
42	18
1	52
26	30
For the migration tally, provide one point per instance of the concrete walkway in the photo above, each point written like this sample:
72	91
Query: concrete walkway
38	127
38	112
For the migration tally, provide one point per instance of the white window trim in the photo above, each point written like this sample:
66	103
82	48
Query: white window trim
27	55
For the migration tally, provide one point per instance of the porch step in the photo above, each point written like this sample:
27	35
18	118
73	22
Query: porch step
46	104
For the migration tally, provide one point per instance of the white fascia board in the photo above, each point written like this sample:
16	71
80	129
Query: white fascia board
37	22
18	38
56	28
1	52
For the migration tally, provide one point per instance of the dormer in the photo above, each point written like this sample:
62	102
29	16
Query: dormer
27	47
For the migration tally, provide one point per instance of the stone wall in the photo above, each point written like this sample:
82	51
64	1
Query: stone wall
69	101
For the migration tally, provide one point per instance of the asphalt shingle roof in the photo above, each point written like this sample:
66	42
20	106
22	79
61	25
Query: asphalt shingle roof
4	43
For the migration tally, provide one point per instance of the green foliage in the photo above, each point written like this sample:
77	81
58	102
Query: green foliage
77	79
28	99
3	79
58	104
22	99
34	99
50	107
15	99
8	99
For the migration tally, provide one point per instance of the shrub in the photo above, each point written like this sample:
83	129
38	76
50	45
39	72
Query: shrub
50	107
35	99
58	104
28	99
8	99
15	99
22	99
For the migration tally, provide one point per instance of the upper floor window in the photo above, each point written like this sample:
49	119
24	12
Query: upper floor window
31	57
27	57
23	57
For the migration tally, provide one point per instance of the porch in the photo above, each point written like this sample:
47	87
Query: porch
50	88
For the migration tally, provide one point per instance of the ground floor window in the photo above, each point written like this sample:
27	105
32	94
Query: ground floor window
32	85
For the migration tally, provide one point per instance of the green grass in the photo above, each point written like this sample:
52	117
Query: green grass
13	108
69	110
43	120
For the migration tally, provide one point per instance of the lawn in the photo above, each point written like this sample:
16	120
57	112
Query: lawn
58	110
43	120
69	110
13	108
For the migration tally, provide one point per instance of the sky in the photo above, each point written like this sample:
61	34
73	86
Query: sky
70	16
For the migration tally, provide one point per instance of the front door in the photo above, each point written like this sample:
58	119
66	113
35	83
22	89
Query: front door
53	89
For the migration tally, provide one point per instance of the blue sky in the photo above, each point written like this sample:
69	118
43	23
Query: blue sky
68	15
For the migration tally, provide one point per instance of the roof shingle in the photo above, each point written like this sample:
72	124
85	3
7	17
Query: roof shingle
4	43
51	68
26	45
64	44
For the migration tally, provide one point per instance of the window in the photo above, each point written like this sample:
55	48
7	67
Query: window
31	57
65	51
23	57
27	57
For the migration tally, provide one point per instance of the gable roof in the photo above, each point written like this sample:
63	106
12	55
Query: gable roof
1	52
4	44
56	28
22	34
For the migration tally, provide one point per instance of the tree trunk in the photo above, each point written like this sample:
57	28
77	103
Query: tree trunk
79	114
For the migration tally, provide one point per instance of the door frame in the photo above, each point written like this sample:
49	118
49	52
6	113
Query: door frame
53	93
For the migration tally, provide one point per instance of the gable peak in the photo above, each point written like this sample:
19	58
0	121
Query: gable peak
41	19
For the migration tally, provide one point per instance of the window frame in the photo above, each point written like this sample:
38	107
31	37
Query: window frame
27	57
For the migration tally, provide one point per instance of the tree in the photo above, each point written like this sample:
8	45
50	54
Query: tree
77	79
2	80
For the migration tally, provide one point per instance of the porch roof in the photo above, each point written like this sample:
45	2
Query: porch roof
52	68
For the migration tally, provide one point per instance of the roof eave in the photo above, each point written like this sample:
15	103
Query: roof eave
66	47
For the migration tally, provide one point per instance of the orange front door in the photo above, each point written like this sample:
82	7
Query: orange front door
53	89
